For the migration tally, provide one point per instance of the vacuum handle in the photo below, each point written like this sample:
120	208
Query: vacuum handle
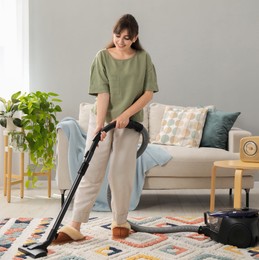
135	125
131	125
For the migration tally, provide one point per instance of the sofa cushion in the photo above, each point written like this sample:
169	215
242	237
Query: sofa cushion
145	117
84	114
155	116
156	112
192	162
217	127
182	126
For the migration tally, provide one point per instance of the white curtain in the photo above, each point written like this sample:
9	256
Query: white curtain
14	57
14	45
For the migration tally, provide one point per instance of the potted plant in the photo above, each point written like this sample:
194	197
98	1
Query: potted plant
8	112
39	124
9	119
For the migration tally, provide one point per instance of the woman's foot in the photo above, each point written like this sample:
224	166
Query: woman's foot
120	231
68	234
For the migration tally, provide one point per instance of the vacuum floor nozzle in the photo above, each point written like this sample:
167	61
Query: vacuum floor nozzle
35	250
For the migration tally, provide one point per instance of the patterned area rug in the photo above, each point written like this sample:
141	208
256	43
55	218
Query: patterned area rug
99	244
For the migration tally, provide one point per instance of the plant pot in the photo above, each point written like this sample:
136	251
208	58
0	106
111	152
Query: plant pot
16	140
10	126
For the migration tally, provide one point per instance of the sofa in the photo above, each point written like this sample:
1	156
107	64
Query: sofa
191	163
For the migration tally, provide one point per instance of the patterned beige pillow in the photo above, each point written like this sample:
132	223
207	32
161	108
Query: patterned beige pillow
182	126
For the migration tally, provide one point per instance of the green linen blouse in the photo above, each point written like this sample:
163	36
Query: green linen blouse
125	81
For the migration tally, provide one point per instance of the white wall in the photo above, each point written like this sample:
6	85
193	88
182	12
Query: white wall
205	51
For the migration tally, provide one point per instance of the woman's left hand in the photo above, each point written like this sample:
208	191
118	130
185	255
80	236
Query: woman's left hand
121	121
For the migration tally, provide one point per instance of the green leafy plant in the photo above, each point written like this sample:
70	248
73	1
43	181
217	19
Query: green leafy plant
8	110
39	123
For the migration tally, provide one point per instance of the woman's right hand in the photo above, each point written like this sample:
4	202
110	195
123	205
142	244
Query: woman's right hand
103	133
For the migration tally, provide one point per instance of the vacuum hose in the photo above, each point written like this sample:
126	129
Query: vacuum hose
163	230
145	139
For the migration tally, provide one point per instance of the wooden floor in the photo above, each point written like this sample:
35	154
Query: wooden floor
153	203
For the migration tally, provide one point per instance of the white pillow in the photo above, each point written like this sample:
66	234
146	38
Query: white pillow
156	112
182	126
84	114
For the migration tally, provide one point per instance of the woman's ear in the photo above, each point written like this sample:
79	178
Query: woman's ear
135	38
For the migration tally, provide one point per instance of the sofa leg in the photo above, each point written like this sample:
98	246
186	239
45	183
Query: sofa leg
247	197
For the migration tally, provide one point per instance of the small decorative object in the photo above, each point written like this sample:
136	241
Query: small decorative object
249	149
8	112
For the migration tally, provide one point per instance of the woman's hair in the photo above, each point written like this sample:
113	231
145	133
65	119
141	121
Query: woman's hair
129	23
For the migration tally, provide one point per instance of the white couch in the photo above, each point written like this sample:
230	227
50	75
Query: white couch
190	168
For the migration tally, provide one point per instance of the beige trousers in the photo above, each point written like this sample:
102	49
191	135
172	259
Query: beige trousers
119	148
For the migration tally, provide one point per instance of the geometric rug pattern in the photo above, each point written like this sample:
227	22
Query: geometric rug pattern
100	245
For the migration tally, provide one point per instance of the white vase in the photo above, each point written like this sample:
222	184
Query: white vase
10	126
16	140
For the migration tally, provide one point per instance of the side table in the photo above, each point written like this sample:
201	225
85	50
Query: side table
11	178
239	167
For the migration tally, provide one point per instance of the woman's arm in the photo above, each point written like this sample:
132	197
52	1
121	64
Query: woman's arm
123	119
102	106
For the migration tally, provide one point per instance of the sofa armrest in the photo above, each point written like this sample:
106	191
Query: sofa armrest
62	170
234	137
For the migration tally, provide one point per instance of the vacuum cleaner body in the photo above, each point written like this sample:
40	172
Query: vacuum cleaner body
233	227
238	228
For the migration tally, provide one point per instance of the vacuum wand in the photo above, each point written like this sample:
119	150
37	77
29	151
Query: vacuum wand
40	249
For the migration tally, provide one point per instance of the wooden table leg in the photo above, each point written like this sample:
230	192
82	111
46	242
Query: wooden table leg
22	174
238	189
212	188
49	183
9	174
5	163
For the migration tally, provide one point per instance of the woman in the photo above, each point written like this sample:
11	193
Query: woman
123	78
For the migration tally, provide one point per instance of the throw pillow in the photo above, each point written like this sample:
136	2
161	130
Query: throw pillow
217	127
84	112
182	126
155	116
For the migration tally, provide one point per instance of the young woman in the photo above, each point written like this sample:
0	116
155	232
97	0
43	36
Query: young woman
123	79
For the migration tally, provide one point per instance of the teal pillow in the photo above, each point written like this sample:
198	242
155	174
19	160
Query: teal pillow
217	127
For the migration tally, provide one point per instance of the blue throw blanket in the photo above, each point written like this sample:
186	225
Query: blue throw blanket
151	157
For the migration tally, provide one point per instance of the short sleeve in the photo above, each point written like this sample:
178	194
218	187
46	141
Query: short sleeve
150	82
98	79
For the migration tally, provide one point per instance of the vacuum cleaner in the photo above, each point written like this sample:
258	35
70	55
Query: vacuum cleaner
234	227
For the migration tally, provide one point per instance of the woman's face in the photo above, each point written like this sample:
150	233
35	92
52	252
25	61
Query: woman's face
122	41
